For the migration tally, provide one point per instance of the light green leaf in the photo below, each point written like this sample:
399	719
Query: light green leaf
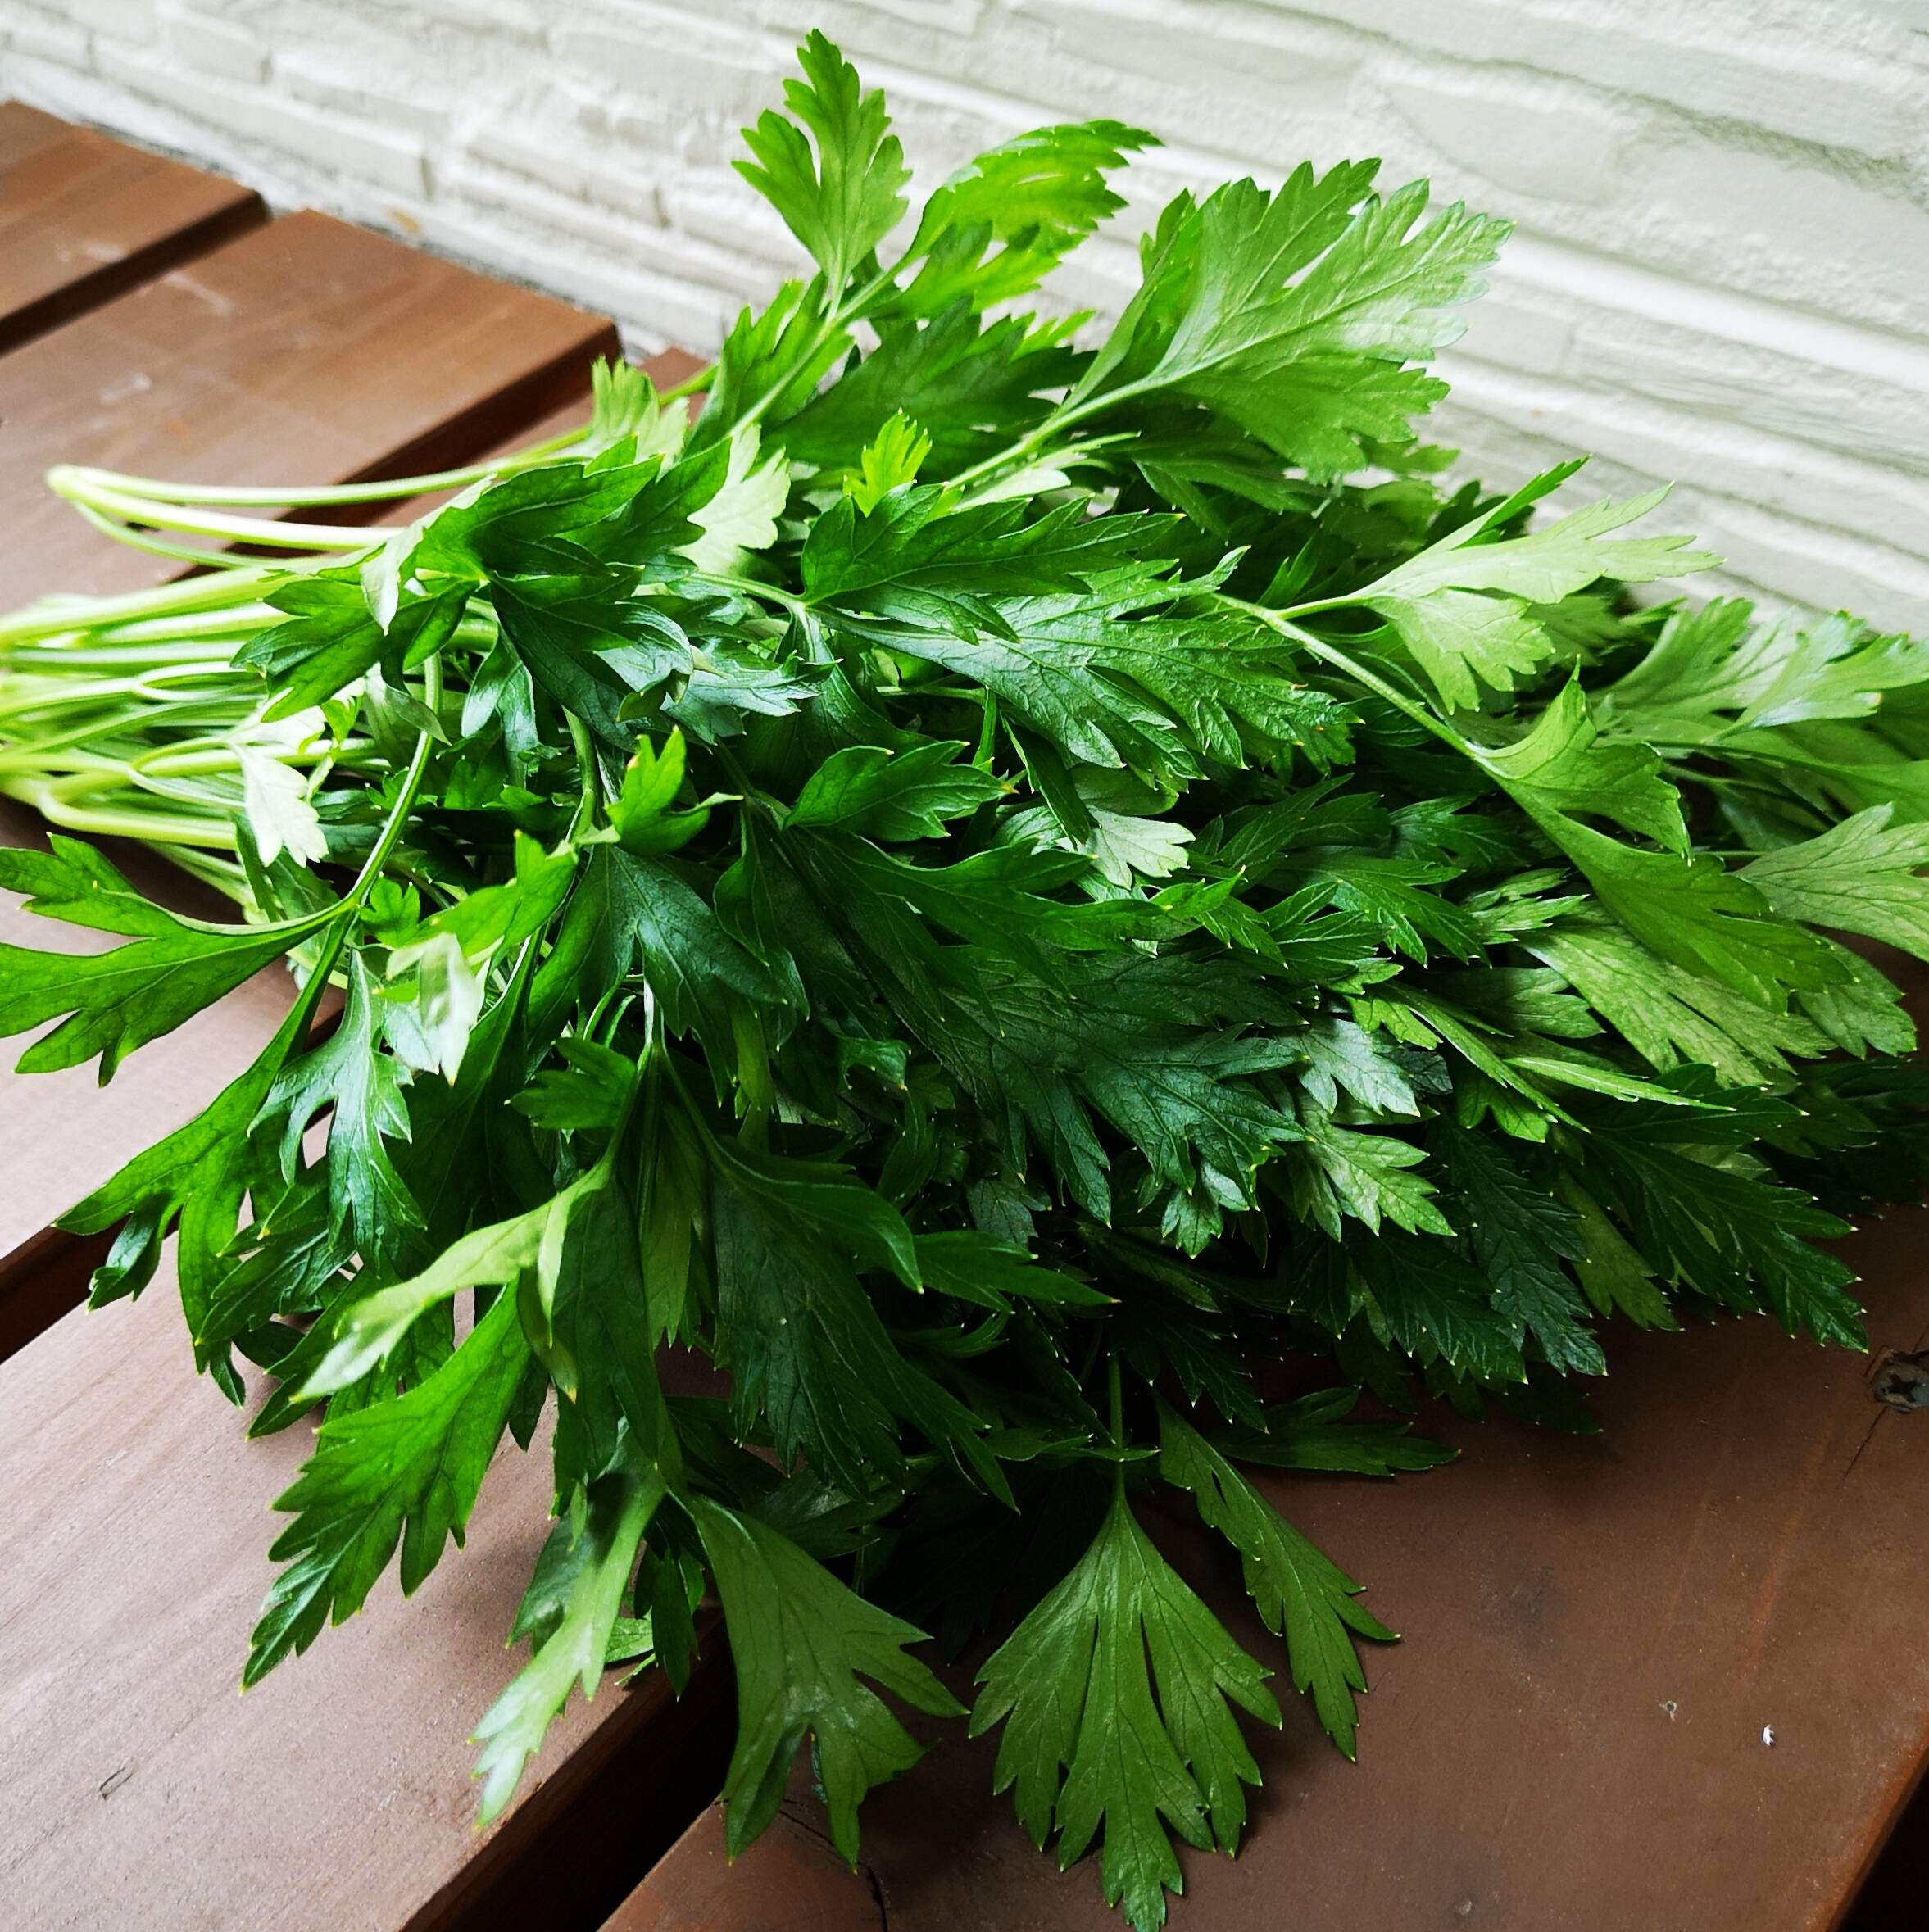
1339	1173
624	404
644	812
741	516
1341	1054
1563	768
893	456
1717	672
275	800
1701	915
842	203
408	1467
995	228
1464	605
569	1613
1861	876
72	880
370	1327
1672	1016
494	917
1087	1743
119	999
1293	315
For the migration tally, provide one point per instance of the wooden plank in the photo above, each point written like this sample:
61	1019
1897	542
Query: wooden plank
308	352
1891	1901
792	1879
83	216
1603	1635
149	1488
336	1794
44	1277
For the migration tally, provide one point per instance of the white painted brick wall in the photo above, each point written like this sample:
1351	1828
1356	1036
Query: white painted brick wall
1721	275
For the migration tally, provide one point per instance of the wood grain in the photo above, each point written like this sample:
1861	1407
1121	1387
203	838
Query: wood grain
1599	1632
338	1794
792	1879
83	216
143	1790
306	352
665	370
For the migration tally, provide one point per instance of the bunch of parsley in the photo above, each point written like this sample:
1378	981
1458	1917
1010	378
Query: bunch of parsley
990	887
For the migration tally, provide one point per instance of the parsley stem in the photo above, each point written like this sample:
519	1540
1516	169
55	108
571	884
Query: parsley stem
159	513
159	547
150	828
691	385
588	790
751	587
148	640
271	496
1061	420
835	320
411	783
80	481
1343	661
187	596
1116	1395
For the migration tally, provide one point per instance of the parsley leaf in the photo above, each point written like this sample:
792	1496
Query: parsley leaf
802	1642
110	1002
360	1089
569	1614
887	797
1293	313
1089	1743
407	1468
840	203
1465	606
1301	1594
1863	875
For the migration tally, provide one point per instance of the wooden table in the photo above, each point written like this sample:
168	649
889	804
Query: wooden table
1600	1632
82	217
133	1558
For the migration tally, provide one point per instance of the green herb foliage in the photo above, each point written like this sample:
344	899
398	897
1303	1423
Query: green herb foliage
992	883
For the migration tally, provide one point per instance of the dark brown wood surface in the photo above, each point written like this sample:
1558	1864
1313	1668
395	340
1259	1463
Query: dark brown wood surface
141	1788
306	352
1672	1679
792	1879
82	217
145	1790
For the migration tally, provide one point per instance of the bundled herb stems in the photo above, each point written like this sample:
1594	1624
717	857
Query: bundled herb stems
994	883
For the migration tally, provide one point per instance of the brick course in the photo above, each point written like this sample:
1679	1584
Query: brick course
1721	273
